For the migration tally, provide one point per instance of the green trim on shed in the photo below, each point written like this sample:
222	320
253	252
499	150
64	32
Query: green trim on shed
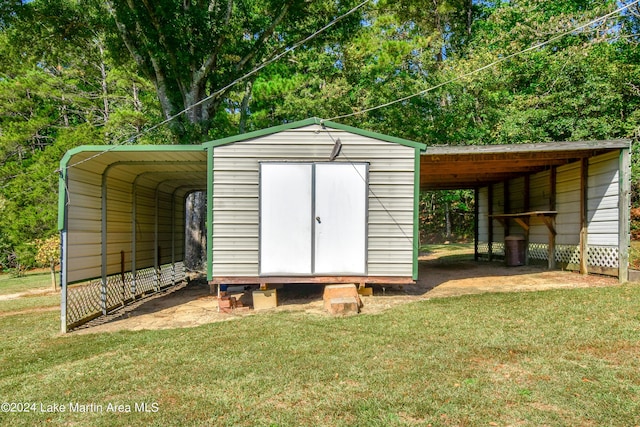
416	216
309	122
209	247
62	198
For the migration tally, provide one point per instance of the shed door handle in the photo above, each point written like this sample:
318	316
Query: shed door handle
318	219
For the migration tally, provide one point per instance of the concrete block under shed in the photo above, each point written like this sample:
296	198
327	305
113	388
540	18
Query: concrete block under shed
344	306
263	300
332	292
367	292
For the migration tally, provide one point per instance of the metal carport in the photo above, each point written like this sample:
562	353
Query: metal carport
121	218
570	200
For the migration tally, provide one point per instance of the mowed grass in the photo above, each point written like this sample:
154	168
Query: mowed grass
569	357
10	284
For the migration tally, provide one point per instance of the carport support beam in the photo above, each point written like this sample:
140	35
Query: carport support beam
490	210
584	246
624	201
156	257
103	243
552	207
63	280
476	222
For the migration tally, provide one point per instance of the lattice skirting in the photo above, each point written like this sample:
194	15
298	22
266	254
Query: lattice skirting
497	249
597	256
86	301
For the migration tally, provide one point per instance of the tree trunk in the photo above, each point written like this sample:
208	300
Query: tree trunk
244	108
196	237
447	216
53	276
105	89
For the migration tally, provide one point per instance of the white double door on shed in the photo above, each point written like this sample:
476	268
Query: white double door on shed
313	218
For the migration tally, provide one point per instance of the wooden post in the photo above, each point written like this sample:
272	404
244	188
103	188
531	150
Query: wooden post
527	205
476	222
624	204
490	221
551	254
584	246
507	207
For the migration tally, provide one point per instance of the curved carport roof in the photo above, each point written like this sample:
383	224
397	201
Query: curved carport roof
125	199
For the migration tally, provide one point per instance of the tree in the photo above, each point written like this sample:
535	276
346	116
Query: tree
193	51
48	254
58	89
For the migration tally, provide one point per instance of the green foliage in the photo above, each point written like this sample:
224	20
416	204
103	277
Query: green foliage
86	72
192	51
446	215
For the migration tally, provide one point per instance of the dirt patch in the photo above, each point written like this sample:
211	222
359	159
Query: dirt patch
30	311
439	276
26	294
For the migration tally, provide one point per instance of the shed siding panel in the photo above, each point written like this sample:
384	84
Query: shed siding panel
236	188
602	200
568	204
539	200
498	208
83	212
516	203
483	214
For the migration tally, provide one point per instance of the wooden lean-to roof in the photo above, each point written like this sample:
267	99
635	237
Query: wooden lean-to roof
459	167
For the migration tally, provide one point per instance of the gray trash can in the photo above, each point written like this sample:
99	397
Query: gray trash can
514	250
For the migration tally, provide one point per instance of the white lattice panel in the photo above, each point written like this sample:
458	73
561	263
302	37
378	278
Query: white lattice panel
145	280
483	247
538	251
568	254
83	301
603	256
498	248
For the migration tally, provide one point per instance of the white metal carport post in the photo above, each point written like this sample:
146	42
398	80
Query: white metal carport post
62	225
103	240
134	234
156	250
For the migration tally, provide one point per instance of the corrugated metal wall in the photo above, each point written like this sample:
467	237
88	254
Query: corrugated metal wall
236	189
568	204
602	206
84	224
83	219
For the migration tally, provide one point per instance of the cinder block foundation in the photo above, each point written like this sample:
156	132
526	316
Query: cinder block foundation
264	300
342	299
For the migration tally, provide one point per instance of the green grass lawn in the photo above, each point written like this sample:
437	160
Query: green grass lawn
569	357
10	284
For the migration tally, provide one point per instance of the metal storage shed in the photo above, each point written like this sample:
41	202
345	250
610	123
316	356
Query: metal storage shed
121	213
313	202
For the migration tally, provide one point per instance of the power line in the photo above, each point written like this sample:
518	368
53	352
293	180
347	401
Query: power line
230	85
492	64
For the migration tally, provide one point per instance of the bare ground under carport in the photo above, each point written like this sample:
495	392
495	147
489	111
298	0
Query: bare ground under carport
441	275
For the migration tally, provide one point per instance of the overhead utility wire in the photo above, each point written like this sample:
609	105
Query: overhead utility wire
230	85
497	61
